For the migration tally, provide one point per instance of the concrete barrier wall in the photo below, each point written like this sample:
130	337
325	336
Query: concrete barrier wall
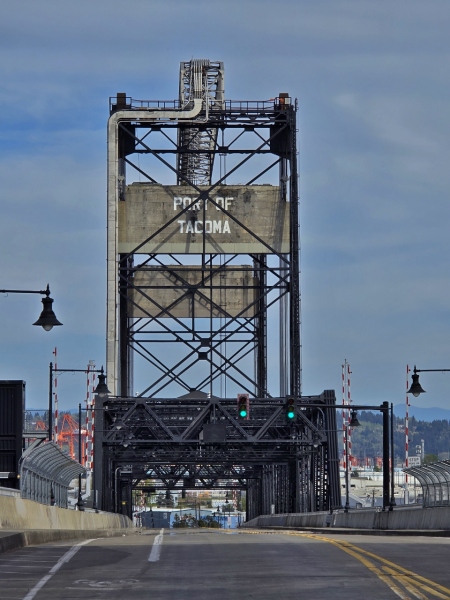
21	514
399	518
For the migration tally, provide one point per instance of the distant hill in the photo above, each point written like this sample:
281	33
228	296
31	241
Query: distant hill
422	414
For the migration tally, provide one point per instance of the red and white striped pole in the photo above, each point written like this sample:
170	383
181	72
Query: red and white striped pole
55	399
346	402
349	401
89	414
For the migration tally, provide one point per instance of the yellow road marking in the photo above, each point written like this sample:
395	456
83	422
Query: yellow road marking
412	582
406	582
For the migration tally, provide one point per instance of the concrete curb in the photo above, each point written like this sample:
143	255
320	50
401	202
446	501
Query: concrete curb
12	540
415	518
354	531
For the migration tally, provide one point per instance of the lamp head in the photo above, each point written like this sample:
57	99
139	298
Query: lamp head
102	388
354	419
416	389
47	319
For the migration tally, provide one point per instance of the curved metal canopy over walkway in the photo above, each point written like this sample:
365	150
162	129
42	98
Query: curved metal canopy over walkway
46	472
435	481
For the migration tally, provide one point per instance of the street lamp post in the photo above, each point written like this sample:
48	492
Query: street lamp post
347	499
386	470
392	502
100	390
47	319
353	423
384	409
416	389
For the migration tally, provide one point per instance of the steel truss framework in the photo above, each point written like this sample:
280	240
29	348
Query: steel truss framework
193	443
207	348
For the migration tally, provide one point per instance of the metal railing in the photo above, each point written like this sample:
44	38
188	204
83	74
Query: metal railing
435	482
46	472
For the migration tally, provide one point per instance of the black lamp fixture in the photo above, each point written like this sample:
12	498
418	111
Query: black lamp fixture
416	389
102	388
354	419
47	319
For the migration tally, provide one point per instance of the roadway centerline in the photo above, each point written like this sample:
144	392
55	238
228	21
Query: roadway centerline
390	573
64	558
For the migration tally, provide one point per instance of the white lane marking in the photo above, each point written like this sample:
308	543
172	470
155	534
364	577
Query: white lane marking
156	548
64	558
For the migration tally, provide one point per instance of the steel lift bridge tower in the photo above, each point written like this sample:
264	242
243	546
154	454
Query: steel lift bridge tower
203	304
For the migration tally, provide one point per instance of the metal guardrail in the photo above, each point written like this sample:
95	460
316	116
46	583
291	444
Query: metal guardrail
46	472
435	482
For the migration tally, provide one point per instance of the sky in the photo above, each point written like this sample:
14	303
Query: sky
372	83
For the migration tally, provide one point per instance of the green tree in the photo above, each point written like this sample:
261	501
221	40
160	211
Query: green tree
430	458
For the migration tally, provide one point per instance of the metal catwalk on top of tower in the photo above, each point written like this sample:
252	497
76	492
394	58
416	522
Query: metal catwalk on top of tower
204	80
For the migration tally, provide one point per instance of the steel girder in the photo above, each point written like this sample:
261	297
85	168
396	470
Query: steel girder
200	443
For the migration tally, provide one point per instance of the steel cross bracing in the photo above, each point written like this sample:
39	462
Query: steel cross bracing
273	275
199	443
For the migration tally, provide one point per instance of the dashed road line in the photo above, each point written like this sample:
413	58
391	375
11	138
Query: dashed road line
64	559
156	548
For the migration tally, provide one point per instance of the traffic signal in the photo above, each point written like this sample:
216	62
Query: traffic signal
290	408
242	400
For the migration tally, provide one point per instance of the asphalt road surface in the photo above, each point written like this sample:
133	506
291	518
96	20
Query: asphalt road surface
220	565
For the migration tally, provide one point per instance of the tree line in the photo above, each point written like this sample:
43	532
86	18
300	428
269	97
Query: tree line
367	438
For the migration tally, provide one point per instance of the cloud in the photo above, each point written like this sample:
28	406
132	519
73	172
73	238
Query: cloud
372	83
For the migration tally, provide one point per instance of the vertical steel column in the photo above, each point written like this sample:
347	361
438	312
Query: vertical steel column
295	344
332	453
98	467
50	404
112	350
261	329
392	501
125	349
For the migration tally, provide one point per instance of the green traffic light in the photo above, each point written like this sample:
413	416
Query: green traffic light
242	412
290	408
